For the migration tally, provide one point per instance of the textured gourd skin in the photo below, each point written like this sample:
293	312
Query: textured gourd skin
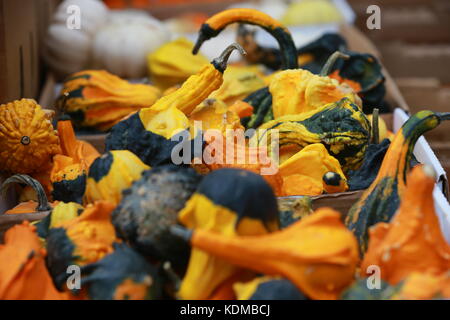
381	200
121	275
80	241
150	207
298	91
261	101
340	126
28	140
98	100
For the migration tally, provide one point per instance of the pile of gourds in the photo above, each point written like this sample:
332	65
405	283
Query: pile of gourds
139	226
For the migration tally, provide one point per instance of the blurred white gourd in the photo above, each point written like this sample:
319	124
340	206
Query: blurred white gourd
68	48
123	43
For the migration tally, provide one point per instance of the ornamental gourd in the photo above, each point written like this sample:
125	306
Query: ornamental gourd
23	273
69	171
68	50
268	288
261	99
97	99
80	241
341	126
112	173
148	132
28	140
297	91
122	44
318	254
173	63
413	240
381	200
228	202
121	275
150	206
303	173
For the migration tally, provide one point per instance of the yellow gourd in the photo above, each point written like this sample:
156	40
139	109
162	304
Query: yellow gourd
173	63
28	140
298	91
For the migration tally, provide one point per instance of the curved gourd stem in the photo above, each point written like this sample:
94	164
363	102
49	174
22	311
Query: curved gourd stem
375	128
43	204
221	62
326	69
214	25
181	232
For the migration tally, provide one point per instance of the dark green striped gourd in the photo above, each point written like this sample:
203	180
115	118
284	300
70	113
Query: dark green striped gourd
341	126
381	200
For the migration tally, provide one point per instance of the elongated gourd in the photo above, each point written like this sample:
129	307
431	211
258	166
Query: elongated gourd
97	99
148	133
340	126
381	200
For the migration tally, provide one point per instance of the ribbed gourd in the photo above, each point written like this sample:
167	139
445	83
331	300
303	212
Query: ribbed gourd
97	99
148	132
341	126
28	140
381	200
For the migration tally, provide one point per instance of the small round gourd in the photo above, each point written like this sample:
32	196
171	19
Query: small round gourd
28	140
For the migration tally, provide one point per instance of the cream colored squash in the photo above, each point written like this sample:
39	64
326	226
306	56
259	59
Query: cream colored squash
68	50
122	45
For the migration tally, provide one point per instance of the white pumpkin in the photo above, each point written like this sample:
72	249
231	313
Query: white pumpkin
122	45
69	50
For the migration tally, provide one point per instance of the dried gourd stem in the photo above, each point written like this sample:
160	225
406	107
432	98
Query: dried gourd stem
326	69
375	127
43	204
181	232
221	62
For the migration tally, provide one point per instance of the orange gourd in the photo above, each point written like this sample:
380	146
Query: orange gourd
412	241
